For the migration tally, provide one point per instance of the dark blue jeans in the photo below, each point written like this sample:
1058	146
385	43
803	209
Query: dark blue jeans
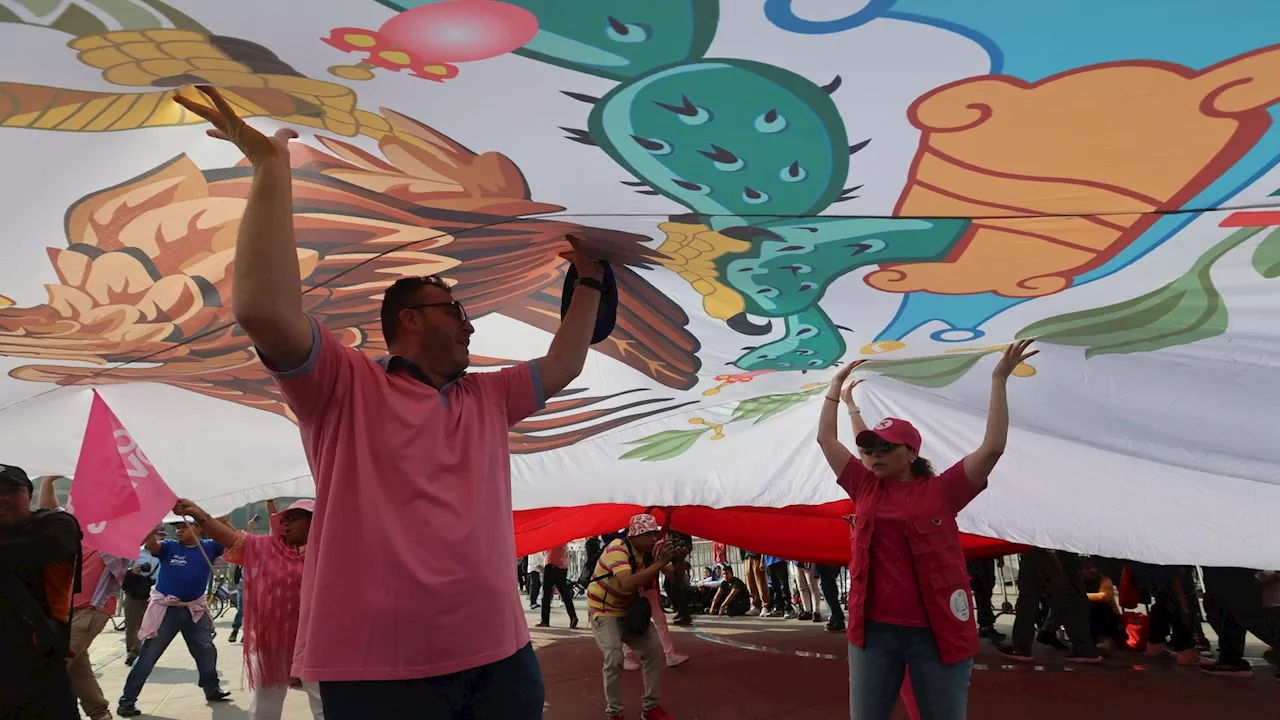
509	689
875	674
199	639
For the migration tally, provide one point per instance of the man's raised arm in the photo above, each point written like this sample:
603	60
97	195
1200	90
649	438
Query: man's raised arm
266	281
564	360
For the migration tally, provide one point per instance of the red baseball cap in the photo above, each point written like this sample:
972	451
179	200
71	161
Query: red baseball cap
891	430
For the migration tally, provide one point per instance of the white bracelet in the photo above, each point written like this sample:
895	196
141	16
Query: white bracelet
854	409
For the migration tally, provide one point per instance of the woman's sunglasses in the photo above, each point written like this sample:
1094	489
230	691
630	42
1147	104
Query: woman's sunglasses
879	446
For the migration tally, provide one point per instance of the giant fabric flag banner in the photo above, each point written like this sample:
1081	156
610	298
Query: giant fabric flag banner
780	186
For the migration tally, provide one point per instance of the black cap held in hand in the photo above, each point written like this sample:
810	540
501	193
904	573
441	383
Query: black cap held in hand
607	313
14	476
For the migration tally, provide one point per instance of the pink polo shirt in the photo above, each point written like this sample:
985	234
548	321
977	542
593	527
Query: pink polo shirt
408	571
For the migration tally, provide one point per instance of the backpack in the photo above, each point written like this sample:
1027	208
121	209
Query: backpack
31	642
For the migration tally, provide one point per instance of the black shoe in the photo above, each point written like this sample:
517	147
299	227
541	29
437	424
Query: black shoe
682	620
129	661
219	696
817	617
1240	669
1013	654
990	633
805	616
232	637
129	710
1052	641
1271	656
835	627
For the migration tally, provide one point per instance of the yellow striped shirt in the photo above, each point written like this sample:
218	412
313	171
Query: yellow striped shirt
606	597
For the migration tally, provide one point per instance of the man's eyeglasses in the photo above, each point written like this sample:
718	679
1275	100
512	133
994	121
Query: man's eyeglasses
459	312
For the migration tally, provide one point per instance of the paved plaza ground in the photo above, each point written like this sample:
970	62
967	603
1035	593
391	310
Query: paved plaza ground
768	669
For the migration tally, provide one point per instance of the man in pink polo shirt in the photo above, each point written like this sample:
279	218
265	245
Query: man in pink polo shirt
407	605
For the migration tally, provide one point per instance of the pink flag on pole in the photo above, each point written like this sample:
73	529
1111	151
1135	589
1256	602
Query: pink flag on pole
116	494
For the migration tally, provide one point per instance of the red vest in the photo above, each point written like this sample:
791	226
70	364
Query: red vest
940	568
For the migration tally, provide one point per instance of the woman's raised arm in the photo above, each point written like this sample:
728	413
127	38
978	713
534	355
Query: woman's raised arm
979	464
837	454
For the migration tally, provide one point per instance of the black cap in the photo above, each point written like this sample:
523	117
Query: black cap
607	312
14	476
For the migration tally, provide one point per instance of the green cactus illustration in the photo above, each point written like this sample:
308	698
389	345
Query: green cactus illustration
794	261
673	443
619	39
727	137
812	342
1185	311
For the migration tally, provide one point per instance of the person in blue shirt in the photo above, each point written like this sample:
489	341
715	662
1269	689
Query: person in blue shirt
178	604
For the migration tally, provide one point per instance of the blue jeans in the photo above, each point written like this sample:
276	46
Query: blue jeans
239	621
199	639
509	689
875	674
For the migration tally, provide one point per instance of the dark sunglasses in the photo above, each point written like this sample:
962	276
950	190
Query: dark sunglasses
459	312
879	446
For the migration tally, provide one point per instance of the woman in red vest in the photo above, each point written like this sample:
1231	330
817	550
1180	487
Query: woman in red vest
909	604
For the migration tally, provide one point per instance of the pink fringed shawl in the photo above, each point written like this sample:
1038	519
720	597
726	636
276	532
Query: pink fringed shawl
272	600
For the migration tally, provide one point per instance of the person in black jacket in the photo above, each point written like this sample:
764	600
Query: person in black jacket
39	572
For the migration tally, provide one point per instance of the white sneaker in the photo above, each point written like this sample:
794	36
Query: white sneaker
676	660
753	612
630	664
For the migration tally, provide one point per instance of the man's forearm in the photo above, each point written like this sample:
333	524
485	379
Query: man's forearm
48	493
267	279
217	531
573	337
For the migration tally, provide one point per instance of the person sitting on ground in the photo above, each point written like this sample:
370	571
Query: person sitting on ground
617	584
178	604
39	574
732	598
273	566
1104	611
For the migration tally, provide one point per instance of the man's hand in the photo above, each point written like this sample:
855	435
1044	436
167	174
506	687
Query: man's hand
587	266
185	507
228	126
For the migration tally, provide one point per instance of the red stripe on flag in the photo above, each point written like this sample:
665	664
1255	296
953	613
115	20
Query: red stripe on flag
1261	218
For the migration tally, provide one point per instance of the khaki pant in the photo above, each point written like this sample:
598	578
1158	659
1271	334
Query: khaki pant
608	634
134	609
86	623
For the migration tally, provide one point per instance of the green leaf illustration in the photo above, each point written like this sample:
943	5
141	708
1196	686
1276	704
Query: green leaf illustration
1185	311
1266	258
766	406
664	445
930	372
